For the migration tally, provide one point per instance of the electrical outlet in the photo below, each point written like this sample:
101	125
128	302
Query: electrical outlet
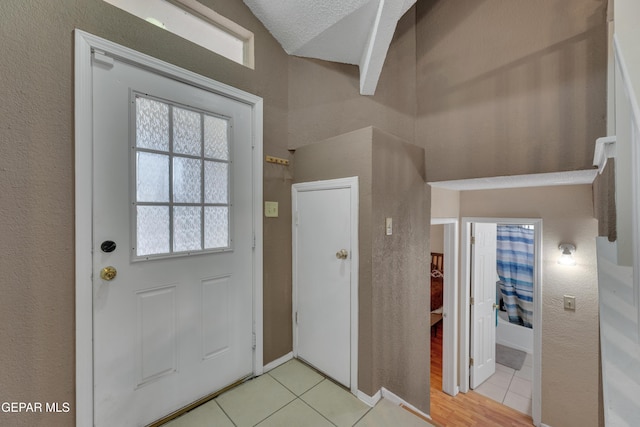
388	224
569	302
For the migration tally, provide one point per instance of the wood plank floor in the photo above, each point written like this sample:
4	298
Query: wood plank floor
466	409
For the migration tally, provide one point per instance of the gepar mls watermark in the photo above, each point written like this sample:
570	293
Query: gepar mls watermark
35	407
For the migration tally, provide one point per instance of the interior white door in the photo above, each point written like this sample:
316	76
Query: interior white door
483	292
172	214
323	280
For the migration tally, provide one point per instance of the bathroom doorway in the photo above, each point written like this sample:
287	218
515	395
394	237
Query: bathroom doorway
466	309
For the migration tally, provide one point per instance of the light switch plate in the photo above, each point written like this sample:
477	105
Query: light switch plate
271	209
389	226
569	302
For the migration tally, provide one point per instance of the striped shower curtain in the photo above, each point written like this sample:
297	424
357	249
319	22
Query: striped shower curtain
515	271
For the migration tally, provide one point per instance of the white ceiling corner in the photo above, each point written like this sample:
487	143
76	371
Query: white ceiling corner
356	32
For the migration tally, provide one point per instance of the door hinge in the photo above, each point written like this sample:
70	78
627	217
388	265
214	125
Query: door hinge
472	301
254	240
473	240
471	361
297	218
253	340
296	317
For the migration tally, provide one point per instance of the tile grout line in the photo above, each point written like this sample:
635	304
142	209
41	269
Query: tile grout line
299	397
363	415
293	392
296	397
516	393
277	410
280	382
508	386
320	413
530	399
267	373
508	390
225	412
311	388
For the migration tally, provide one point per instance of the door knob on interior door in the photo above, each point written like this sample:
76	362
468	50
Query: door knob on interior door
495	306
342	254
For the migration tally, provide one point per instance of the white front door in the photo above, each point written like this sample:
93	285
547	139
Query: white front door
483	293
172	217
323	257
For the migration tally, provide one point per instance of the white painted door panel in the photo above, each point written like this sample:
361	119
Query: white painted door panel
324	281
483	292
166	331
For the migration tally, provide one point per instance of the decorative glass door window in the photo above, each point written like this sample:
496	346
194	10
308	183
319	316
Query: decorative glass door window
181	166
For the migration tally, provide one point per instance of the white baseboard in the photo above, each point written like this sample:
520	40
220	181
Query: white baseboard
369	400
391	397
274	364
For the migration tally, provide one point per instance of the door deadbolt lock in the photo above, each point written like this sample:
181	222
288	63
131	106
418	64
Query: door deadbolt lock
342	254
108	273
108	246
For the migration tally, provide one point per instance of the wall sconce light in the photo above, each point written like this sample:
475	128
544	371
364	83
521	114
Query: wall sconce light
567	254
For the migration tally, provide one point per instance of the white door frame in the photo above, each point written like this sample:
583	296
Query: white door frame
450	306
465	288
85	43
333	184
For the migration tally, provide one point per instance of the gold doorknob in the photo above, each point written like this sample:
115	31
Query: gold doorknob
342	254
495	306
108	273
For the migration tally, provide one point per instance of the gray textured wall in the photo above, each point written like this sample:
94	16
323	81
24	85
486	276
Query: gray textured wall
400	273
510	87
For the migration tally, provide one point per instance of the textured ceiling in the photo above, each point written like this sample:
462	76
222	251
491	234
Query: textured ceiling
355	32
520	181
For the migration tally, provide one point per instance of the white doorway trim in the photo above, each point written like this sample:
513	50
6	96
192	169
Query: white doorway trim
450	306
352	184
85	43
465	288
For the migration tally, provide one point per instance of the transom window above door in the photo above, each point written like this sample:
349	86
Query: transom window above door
181	163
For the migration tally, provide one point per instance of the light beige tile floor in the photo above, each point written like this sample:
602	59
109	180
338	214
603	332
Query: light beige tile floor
510	387
294	395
